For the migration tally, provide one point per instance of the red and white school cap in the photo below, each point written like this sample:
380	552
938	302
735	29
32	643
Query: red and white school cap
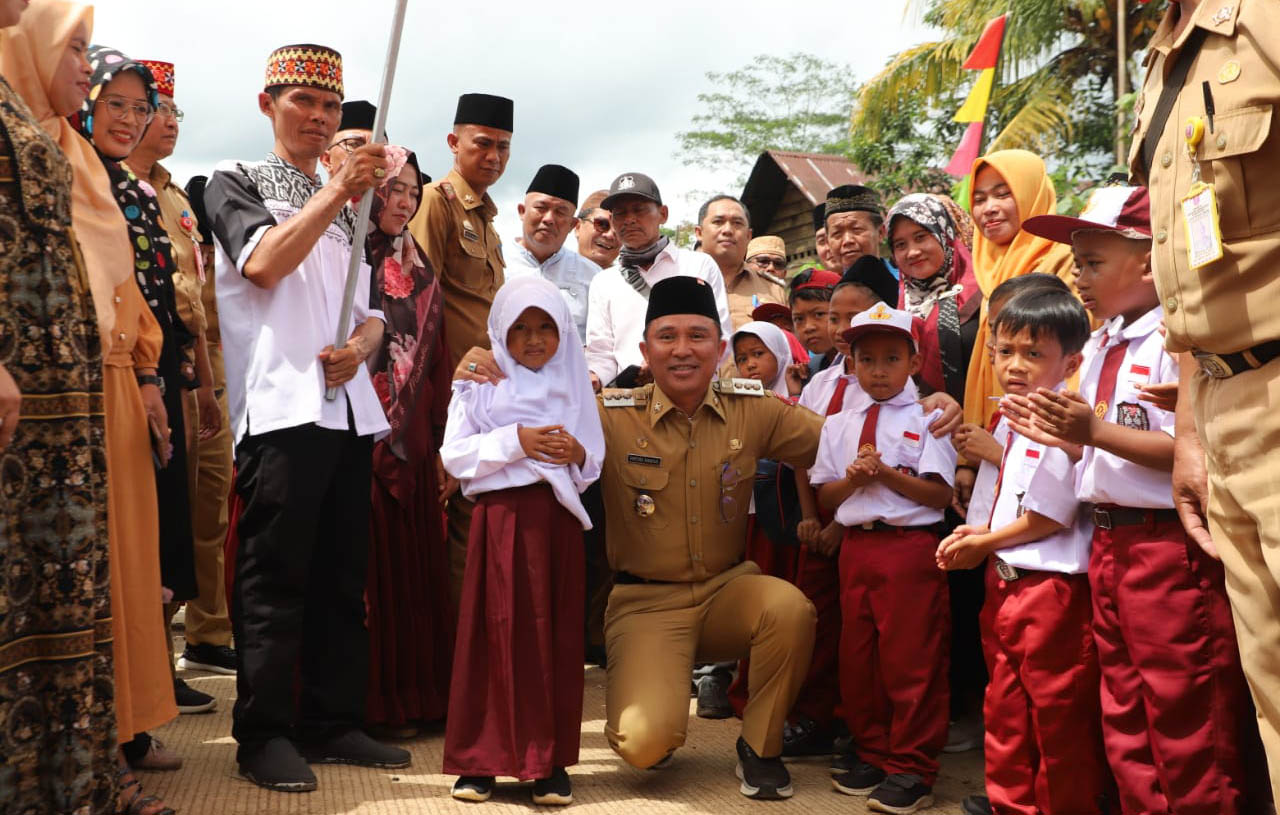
880	319
1126	210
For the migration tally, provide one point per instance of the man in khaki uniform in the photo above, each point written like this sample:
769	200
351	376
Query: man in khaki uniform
208	627
454	226
1219	59
724	232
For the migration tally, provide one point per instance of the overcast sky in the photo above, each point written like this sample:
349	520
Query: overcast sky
599	87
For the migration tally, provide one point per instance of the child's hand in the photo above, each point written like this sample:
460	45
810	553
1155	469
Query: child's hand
976	444
541	443
965	476
1021	416
829	540
807	531
1163	395
964	548
797	374
861	472
570	450
876	465
1065	415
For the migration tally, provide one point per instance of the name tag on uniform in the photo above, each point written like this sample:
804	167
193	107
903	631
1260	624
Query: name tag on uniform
1204	236
470	234
910	439
648	461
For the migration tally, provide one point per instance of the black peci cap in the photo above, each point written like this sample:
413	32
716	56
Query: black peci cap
853	198
357	115
820	216
552	179
871	272
681	294
637	184
485	110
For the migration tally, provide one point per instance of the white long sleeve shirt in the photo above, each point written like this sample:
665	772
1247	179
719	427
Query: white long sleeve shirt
615	311
571	272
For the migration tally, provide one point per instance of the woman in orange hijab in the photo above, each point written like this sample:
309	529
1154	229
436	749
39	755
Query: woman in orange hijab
43	59
1009	186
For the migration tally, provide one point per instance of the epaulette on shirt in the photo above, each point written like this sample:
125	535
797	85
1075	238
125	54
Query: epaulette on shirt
739	387
624	397
446	189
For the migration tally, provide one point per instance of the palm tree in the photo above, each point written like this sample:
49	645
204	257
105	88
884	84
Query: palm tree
1056	55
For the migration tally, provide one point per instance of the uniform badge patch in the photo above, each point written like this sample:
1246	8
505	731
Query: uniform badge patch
1132	414
648	461
618	397
446	189
1222	15
645	505
1229	72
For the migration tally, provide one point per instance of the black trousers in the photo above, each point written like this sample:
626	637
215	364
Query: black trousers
298	604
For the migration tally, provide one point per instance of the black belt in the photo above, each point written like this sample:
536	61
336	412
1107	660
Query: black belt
1111	517
629	579
1223	366
881	526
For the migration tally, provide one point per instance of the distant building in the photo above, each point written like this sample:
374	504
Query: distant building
782	191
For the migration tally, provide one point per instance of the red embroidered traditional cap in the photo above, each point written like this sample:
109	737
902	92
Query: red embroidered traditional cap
162	72
315	66
880	319
817	279
1126	210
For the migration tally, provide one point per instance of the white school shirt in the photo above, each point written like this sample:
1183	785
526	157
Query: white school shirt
903	440
571	272
1042	479
1105	477
615	310
479	460
270	337
821	388
984	484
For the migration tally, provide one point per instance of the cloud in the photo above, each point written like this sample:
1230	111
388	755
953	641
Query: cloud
600	88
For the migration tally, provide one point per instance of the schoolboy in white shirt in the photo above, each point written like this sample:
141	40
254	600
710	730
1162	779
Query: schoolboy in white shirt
889	481
1044	743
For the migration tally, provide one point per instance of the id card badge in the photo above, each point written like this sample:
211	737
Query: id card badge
1200	215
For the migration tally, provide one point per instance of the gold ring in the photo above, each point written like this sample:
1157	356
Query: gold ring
379	173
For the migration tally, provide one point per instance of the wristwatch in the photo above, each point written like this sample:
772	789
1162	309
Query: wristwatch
152	379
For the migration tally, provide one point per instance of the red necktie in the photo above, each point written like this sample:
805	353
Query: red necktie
1107	380
868	436
995	422
837	398
1008	445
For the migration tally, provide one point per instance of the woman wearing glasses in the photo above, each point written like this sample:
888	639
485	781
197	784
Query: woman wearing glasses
121	105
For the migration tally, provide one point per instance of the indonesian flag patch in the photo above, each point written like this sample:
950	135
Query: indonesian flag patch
910	438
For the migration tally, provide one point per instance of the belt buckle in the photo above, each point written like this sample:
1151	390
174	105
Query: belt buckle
868	526
1102	519
1007	573
1213	365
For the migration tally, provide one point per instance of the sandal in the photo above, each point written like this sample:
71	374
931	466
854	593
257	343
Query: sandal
129	797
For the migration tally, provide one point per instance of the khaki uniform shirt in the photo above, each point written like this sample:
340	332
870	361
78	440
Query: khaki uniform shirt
184	237
743	285
455	229
1230	304
677	489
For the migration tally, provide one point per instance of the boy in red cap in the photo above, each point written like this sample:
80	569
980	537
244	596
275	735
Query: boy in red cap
889	481
1175	711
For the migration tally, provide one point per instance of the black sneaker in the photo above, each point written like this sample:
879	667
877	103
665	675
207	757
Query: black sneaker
713	697
475	788
355	747
976	805
901	793
860	780
277	766
191	700
805	738
218	659
844	761
764	779
555	791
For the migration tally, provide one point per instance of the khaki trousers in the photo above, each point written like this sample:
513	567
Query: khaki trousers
209	479
458	530
655	632
1239	425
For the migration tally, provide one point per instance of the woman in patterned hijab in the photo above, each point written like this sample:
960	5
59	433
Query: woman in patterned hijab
937	286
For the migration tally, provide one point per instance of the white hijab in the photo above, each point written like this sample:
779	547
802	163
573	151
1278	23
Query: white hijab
776	341
560	393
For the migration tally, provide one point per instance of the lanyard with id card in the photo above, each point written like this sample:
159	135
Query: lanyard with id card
1200	206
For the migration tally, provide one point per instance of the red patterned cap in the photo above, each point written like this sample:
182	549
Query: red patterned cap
315	66
163	74
1126	210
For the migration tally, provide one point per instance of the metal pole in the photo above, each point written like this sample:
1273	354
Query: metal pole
366	202
1122	78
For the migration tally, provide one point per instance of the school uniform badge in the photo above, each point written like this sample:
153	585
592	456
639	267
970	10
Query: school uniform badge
1132	414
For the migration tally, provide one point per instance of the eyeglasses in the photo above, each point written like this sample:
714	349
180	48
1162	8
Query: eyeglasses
166	109
350	144
765	261
601	224
121	108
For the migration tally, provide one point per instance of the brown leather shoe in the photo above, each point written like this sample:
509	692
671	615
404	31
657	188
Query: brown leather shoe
158	758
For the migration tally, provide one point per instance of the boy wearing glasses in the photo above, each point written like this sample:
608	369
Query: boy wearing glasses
889	481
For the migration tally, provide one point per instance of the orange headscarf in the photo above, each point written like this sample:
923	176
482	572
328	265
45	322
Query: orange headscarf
29	55
993	264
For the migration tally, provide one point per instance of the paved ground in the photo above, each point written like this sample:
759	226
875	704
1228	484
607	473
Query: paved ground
699	780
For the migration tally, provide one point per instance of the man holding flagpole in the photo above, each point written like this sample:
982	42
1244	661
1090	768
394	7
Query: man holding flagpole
283	247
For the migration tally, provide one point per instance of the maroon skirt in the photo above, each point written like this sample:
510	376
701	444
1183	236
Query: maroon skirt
517	667
407	594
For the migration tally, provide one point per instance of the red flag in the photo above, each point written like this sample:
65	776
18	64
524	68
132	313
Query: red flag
970	145
987	51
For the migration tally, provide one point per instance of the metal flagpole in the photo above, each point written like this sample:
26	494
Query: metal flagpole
366	202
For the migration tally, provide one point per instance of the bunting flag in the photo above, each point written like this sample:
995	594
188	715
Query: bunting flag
983	58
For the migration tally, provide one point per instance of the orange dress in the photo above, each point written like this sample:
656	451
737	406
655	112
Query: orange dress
144	683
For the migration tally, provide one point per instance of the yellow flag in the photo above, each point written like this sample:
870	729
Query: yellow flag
974	108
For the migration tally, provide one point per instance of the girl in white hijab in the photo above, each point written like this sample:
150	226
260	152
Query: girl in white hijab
524	449
761	351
